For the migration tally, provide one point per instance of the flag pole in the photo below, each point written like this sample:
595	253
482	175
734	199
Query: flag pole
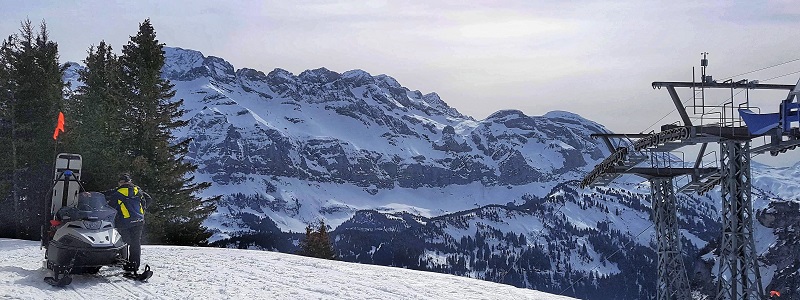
48	201
59	128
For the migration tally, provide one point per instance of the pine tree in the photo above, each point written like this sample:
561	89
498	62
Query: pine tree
6	167
98	122
34	88
317	243
324	245
306	248
158	159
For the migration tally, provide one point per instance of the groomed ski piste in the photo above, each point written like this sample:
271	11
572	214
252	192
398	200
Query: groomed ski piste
217	273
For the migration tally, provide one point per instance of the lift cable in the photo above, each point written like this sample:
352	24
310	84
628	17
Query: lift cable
787	74
753	71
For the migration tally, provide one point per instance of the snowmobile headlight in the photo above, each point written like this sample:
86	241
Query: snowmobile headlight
92	225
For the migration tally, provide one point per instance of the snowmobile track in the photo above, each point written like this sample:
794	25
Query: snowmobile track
72	288
114	278
127	291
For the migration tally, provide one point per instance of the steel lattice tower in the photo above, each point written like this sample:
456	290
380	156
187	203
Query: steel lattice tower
739	276
672	280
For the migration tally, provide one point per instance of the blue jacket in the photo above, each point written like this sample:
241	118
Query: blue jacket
130	203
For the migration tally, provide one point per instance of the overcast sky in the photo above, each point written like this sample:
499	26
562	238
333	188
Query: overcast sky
593	58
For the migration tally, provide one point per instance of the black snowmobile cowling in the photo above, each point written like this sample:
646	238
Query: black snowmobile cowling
87	235
85	239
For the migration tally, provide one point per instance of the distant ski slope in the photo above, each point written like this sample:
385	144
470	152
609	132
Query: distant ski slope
214	273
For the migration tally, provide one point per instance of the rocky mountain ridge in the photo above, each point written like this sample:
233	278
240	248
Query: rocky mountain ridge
406	180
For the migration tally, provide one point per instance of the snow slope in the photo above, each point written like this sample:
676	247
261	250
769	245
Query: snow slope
215	273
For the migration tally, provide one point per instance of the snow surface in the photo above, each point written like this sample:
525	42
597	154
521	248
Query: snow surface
216	273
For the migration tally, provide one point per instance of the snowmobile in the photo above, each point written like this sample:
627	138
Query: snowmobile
80	237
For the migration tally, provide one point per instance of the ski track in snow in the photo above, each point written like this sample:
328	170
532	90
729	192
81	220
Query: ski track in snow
216	273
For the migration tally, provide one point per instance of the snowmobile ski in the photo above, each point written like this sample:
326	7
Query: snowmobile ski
62	282
140	277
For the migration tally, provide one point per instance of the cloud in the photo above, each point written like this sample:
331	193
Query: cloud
516	29
595	58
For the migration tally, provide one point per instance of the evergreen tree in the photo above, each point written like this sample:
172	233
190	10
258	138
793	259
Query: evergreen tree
317	243
158	160
97	110
33	88
6	167
306	248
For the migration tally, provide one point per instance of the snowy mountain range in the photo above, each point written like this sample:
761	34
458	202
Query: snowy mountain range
211	273
405	180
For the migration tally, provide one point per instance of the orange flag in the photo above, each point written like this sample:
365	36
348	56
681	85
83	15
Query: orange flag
774	293
59	126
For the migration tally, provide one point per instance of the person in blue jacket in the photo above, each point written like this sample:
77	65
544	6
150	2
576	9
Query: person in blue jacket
130	201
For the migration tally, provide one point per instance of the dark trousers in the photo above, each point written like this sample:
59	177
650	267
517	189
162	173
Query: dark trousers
133	237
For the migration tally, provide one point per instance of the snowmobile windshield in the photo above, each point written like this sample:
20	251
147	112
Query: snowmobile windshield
92	201
91	206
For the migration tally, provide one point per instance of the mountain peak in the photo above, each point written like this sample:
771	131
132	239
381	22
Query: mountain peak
356	73
179	61
320	75
569	117
251	74
71	74
563	114
186	65
220	69
358	77
435	101
506	113
71	64
388	80
278	72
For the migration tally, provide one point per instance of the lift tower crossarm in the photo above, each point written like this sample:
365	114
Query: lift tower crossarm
671	85
724	85
620	135
664	172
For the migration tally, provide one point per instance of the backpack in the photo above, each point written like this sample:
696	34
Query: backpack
130	208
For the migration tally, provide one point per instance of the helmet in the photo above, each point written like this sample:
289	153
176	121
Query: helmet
125	177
